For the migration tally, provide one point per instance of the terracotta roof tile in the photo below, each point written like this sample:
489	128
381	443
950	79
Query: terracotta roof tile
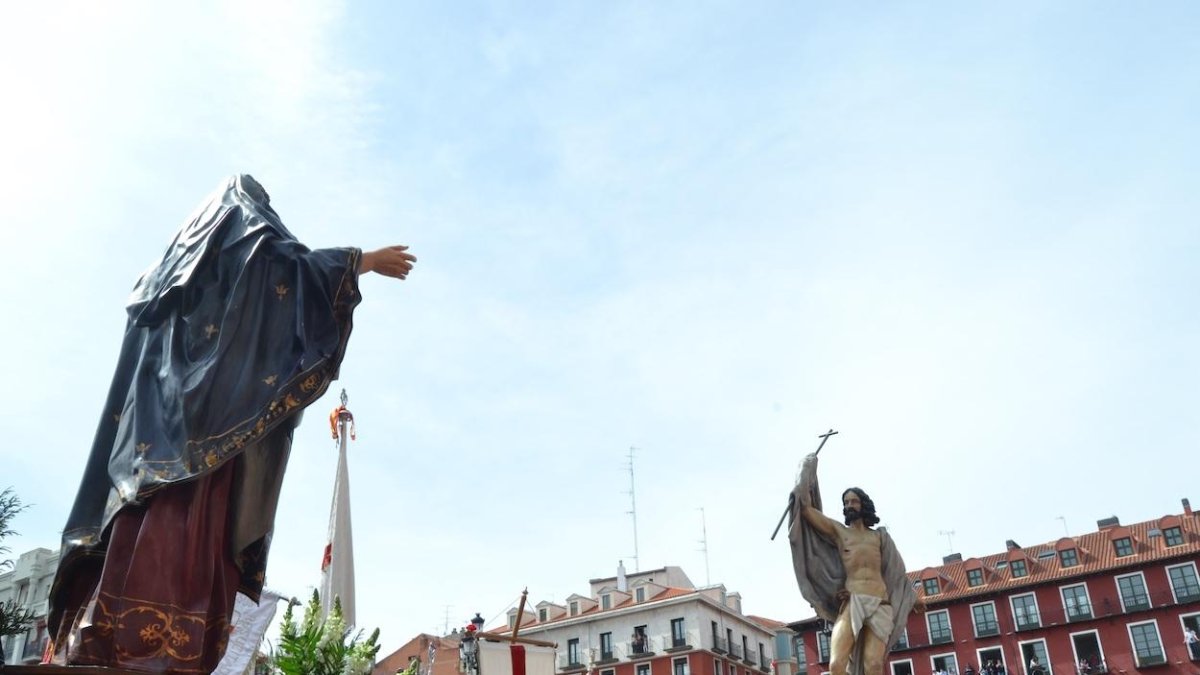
769	624
670	592
1095	551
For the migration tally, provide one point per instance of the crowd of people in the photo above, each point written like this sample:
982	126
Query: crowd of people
1093	665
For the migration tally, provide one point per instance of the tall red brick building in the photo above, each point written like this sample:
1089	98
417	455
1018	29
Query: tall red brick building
1115	600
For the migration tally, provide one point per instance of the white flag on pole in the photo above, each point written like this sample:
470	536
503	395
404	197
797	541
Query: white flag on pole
337	564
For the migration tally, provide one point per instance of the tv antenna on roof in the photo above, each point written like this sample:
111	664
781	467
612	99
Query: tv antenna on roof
633	511
949	535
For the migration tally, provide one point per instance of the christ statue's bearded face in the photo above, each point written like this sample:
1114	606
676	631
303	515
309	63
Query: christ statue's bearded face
857	506
852	508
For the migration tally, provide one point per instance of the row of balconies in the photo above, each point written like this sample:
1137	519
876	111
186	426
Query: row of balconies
1033	619
653	645
722	646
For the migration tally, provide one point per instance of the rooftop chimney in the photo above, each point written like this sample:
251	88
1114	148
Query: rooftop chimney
734	601
621	583
1108	523
1187	507
952	558
1010	544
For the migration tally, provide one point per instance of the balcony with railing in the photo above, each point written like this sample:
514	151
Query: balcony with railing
720	645
940	637
645	647
1028	620
735	650
1099	608
751	656
1187	594
1079	612
1147	660
677	643
987	629
569	662
1136	602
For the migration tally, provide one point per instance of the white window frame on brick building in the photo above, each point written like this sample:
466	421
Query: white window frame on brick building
1037	623
1121	594
931	586
929	627
1195	579
1013	568
822	647
1099	643
953	656
975	577
1194	624
1123	546
980	651
995	620
898	662
1133	649
1067	605
1043	656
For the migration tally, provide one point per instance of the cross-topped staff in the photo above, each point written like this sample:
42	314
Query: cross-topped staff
791	498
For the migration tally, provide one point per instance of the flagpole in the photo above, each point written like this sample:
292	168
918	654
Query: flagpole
338	565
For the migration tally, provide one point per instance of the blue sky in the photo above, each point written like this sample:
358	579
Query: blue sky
962	235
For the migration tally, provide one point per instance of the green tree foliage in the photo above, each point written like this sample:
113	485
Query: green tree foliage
13	619
323	647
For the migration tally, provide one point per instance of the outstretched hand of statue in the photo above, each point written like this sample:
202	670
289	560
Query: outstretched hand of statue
919	605
390	261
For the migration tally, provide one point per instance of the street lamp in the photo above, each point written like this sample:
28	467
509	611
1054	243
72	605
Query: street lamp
468	646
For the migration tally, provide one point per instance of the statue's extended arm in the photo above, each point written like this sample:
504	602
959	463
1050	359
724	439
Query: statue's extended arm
391	261
813	516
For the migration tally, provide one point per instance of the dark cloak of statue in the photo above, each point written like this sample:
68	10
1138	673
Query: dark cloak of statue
229	337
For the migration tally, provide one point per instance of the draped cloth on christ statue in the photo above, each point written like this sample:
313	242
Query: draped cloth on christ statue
821	574
229	337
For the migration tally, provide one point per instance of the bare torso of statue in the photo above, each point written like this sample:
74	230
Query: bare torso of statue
864	599
860	555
